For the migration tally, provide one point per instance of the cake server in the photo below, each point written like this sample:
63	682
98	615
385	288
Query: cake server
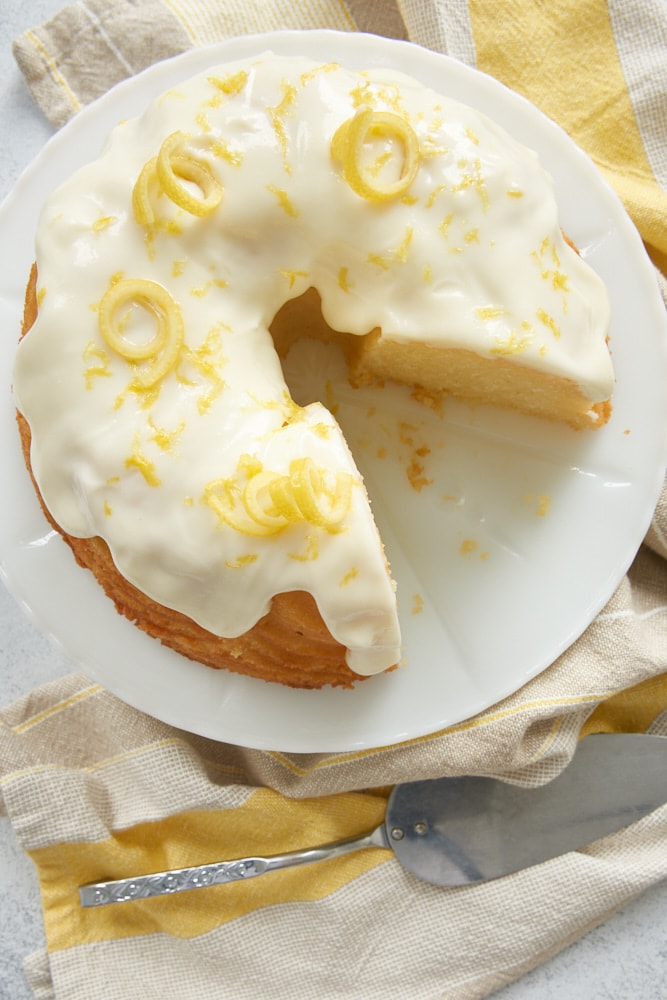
459	831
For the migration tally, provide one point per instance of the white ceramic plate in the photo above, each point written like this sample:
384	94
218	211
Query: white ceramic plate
521	539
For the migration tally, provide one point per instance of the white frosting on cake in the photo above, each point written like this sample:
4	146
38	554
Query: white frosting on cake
470	255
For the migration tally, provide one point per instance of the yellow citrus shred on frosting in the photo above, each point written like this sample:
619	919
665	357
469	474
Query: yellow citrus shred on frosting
347	149
231	84
162	349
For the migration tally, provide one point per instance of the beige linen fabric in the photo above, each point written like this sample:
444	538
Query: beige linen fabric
88	781
78	765
90	46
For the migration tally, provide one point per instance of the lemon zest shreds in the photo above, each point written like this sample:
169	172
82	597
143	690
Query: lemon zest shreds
311	553
293	276
490	312
549	322
347	146
139	461
343	281
164	439
268	502
163	347
222	151
511	344
284	201
103	223
97	361
207	360
246	560
278	114
230	85
311	74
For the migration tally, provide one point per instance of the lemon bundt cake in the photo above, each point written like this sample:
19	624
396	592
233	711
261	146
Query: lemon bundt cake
218	514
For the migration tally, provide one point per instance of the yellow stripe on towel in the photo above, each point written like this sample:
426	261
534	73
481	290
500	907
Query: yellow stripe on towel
630	711
52	66
529	47
62	706
267	823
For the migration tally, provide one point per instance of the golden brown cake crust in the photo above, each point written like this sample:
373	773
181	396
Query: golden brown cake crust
290	645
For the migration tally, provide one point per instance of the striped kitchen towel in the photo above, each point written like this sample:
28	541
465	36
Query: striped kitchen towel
94	788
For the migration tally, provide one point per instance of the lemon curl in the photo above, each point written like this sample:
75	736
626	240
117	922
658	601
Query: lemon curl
269	502
166	172
163	347
347	150
142	205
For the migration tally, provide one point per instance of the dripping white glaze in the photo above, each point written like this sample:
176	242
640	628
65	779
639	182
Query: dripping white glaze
472	256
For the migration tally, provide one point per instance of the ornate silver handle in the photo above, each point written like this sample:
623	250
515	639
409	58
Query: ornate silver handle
124	890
